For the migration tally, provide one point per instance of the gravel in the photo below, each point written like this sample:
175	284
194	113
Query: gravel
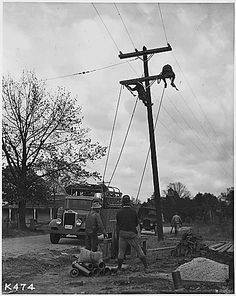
202	269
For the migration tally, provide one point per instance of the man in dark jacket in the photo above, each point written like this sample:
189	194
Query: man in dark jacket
127	221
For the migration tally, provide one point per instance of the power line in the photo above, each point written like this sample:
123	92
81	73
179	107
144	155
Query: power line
187	124
179	126
202	143
112	132
200	150
91	71
200	124
163	24
124	25
124	141
212	128
106	27
191	89
109	33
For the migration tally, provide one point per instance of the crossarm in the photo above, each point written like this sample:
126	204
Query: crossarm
136	80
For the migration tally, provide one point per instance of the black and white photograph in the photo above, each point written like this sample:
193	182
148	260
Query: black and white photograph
118	147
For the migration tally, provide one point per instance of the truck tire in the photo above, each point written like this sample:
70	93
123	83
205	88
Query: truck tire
54	238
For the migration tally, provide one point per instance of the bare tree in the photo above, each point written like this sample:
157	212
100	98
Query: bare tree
43	131
179	188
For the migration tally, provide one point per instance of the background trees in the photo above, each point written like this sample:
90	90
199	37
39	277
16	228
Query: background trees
203	207
42	133
177	188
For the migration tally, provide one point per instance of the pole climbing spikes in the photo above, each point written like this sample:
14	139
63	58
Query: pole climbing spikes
167	72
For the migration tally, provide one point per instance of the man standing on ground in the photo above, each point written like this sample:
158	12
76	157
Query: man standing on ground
176	222
93	226
127	221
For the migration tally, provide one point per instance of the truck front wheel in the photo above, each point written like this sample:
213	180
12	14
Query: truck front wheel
54	238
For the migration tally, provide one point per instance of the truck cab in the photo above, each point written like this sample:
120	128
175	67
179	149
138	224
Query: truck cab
71	218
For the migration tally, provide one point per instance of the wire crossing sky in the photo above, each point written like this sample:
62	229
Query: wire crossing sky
76	45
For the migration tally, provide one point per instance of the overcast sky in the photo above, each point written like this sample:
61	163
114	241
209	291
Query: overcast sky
194	134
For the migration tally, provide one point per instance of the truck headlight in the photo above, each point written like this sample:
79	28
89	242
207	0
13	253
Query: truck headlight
58	221
78	222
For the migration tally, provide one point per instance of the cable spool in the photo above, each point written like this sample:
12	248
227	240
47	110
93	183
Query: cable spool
82	269
107	271
89	266
75	273
102	272
96	271
101	265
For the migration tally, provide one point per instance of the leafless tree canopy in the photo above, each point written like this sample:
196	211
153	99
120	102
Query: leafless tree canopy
43	131
179	188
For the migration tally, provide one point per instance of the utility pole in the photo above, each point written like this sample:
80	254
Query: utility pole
146	79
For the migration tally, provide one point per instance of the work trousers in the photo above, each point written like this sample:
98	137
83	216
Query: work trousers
91	242
131	238
175	226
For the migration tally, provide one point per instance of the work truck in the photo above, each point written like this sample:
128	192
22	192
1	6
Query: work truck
70	219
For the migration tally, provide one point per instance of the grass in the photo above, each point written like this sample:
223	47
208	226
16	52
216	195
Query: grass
15	232
215	232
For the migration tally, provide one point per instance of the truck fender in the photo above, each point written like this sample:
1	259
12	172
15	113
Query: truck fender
54	222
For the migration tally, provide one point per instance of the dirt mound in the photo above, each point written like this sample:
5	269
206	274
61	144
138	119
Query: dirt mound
203	269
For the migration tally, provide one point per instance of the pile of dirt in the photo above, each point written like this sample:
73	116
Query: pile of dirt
203	269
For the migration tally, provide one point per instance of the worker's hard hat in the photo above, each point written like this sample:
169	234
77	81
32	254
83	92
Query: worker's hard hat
96	205
126	200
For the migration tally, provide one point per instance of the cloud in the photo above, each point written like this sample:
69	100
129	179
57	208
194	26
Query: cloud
194	135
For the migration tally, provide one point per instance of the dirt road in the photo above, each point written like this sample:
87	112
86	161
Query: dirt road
14	247
34	263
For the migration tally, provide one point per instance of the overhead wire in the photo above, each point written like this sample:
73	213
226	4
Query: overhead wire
204	114
200	141
109	33
112	133
178	124
199	123
114	42
208	137
91	71
162	20
124	141
147	156
131	40
187	124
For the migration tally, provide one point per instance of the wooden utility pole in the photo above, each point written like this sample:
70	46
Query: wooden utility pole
144	53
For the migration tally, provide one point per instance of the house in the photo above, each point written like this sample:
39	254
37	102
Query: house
43	213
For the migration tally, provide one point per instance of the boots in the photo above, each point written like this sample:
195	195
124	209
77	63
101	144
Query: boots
120	262
119	270
144	261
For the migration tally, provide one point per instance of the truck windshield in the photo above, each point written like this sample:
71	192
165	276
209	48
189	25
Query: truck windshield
78	204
